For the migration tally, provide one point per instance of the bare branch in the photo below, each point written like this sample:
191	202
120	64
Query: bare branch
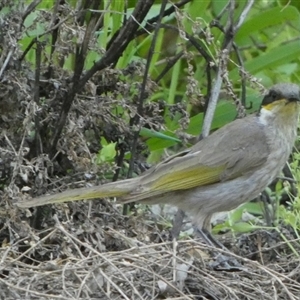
121	40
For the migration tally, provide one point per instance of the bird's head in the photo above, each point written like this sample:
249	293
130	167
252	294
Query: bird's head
281	103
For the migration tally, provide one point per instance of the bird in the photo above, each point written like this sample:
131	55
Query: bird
231	166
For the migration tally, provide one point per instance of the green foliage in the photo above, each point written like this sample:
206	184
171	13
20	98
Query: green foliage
265	20
107	153
245	218
290	213
267	38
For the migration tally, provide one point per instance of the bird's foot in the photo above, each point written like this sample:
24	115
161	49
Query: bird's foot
221	261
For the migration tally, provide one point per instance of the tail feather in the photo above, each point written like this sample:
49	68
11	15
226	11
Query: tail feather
114	189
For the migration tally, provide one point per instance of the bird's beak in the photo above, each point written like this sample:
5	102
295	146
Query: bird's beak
294	99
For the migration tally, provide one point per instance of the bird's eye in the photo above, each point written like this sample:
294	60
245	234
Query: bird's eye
273	95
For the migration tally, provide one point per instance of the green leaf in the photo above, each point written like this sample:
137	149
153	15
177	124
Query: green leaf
225	113
157	144
281	54
92	56
244	227
254	208
264	19
197	10
164	136
117	8
235	215
107	153
34	28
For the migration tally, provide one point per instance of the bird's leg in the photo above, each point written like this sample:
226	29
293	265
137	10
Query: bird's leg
177	223
203	233
210	239
222	262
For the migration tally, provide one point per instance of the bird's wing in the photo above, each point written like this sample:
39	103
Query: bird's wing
230	152
241	145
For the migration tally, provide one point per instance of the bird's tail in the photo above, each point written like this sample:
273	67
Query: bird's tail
113	189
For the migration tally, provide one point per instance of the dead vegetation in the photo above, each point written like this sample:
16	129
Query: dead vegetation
51	123
91	251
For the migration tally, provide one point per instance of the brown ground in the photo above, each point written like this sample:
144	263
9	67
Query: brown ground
89	250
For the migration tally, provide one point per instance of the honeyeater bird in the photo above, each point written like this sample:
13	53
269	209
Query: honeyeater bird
227	168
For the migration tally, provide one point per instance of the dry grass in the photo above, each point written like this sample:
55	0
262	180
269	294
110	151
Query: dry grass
109	256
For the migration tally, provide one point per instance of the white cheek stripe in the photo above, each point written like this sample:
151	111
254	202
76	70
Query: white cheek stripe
265	115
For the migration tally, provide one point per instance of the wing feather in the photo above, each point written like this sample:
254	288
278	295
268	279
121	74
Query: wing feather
234	150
